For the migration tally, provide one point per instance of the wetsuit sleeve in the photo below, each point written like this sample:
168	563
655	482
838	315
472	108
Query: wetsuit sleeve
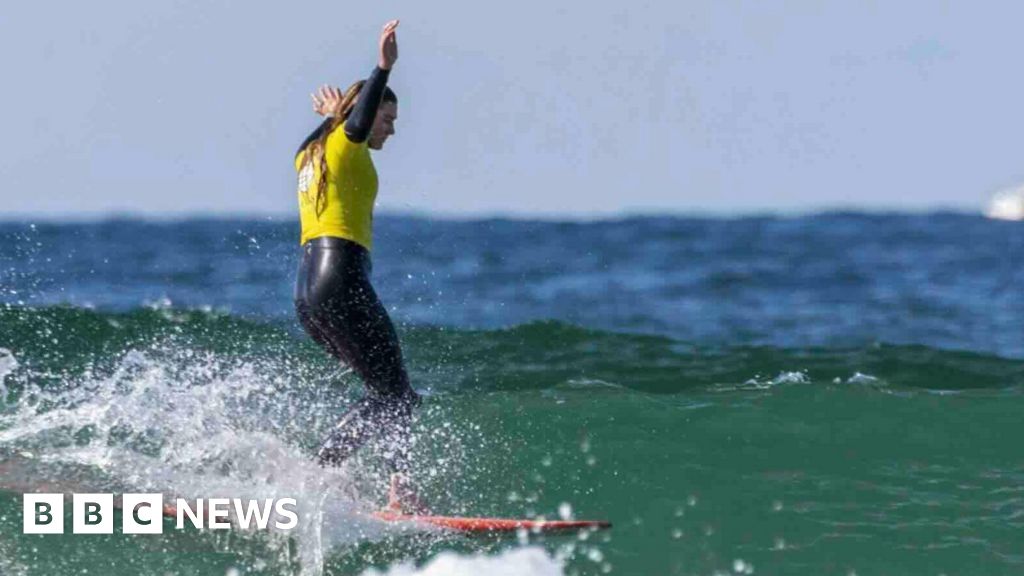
359	122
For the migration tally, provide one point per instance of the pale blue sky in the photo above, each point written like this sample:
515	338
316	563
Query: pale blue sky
528	107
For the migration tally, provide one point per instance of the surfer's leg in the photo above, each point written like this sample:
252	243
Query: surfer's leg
370	417
312	329
360	328
323	273
303	307
339	308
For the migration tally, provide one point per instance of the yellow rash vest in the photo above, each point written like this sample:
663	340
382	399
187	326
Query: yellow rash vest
351	191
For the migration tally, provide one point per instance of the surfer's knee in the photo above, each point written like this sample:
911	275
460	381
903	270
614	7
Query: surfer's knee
389	416
350	432
396	407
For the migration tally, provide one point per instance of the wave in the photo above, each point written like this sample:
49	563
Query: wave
191	404
51	346
533	561
199	402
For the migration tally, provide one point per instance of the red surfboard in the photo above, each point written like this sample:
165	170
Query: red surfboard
462	524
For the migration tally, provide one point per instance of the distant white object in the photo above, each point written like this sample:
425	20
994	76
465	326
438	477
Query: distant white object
1007	205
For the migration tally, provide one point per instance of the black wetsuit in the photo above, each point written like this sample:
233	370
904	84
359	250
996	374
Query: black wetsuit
339	308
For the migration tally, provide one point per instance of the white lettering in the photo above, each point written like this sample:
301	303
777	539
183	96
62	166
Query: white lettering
282	511
143	514
43	513
253	510
92	514
183	509
219	509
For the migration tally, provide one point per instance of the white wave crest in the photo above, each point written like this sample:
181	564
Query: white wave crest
193	424
531	561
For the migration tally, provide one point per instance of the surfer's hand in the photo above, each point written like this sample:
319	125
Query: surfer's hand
327	101
388	46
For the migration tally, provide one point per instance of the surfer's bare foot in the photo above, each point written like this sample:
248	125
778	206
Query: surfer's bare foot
402	497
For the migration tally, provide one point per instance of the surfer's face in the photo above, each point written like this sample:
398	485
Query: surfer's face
383	125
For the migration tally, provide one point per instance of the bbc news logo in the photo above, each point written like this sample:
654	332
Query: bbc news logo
143	513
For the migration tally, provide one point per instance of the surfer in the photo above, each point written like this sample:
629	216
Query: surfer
334	299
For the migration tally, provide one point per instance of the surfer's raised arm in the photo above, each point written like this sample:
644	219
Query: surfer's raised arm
358	125
329	101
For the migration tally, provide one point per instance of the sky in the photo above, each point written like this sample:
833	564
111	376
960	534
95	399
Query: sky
531	108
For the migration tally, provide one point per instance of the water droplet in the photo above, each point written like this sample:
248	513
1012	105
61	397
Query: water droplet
741	567
565	511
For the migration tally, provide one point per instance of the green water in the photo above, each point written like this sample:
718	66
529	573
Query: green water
875	460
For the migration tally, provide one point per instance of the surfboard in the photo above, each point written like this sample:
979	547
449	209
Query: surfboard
14	478
469	524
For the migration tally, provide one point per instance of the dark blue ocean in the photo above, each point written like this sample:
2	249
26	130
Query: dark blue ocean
940	280
837	393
